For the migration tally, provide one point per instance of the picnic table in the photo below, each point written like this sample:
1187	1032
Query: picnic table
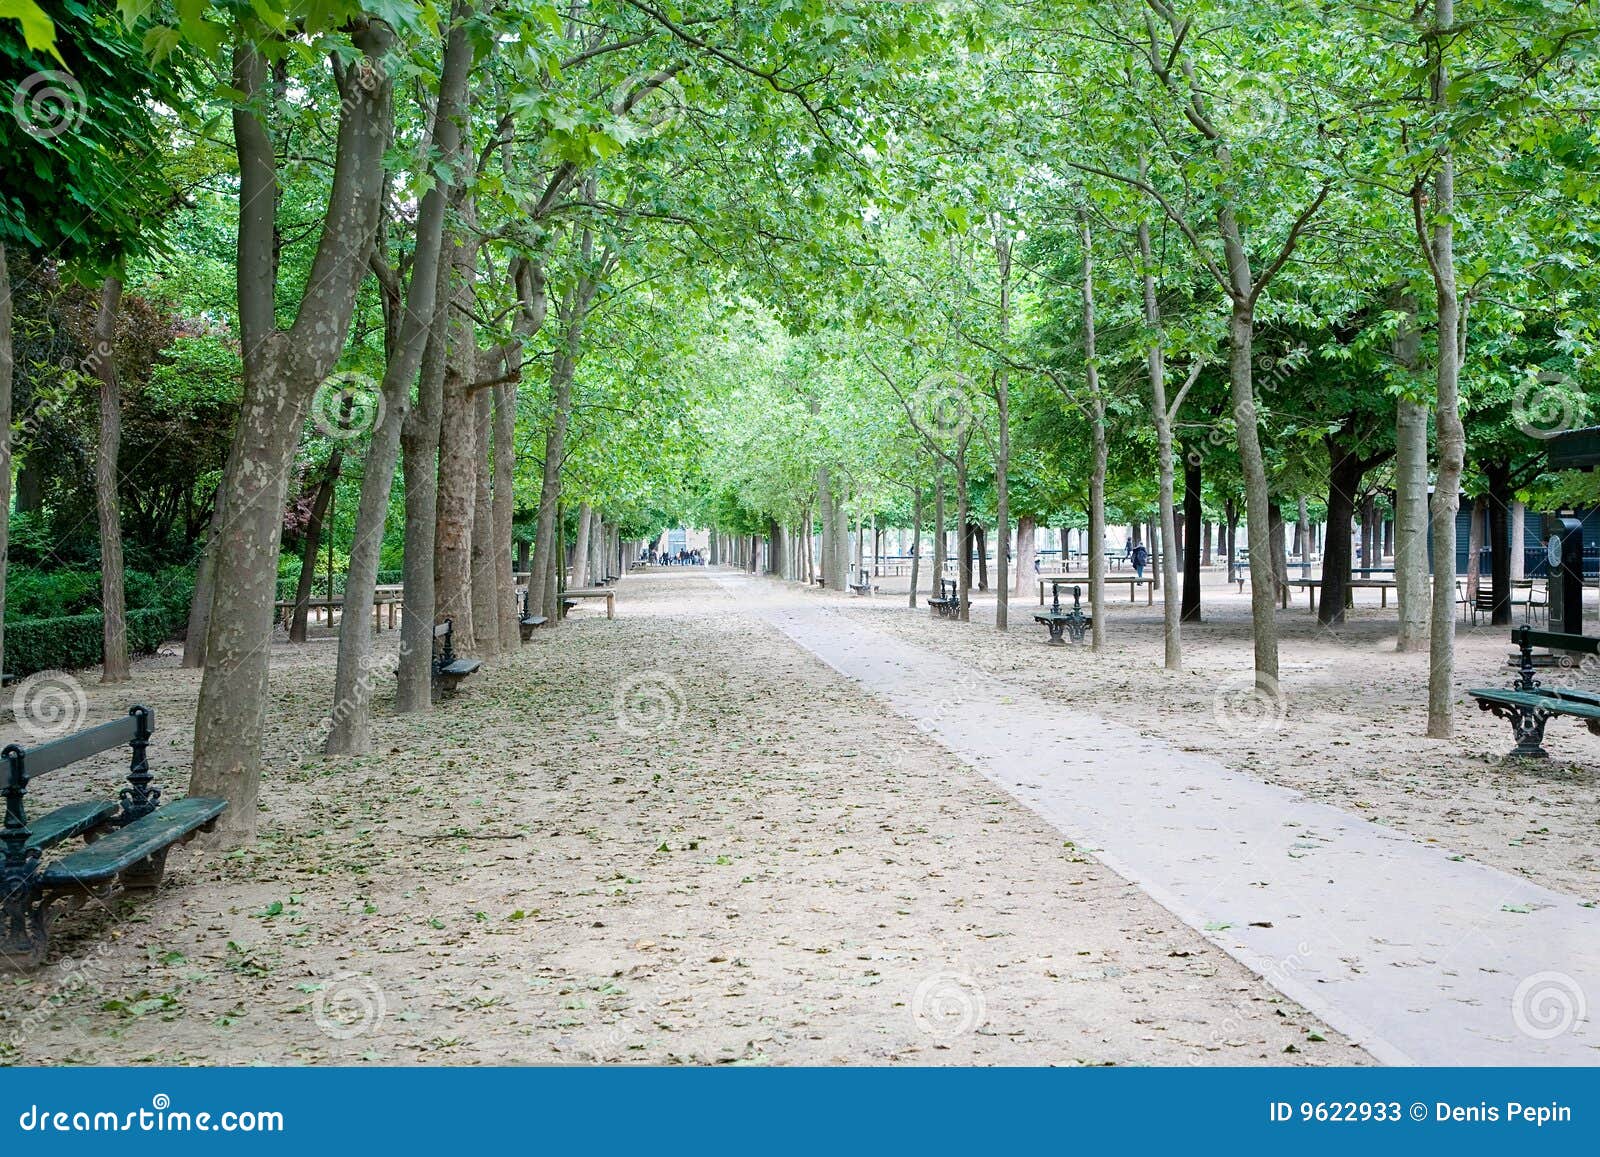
1311	586
1241	570
1133	583
389	597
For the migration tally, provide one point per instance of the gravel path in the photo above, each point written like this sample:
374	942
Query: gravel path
672	838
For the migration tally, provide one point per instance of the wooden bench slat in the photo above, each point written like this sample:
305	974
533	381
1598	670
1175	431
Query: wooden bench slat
1545	701
66	822
58	753
160	829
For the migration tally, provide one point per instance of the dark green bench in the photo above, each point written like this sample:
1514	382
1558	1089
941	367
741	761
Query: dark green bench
448	671
1529	705
526	623
948	604
126	839
1057	621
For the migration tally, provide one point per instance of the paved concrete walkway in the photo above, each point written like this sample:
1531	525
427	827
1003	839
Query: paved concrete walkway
1420	958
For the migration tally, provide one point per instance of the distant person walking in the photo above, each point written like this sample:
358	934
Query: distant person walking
1140	556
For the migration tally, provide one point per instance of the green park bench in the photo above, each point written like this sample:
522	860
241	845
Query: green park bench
1529	705
126	839
1057	621
948	604
448	671
527	622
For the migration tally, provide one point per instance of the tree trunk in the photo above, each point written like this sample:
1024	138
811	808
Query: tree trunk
1258	502
505	509
1499	500
108	508
7	371
1097	426
1450	434
458	462
963	523
1156	367
581	552
1027	552
1411	518
282	369
937	575
1344	479
194	639
1519	530
1302	533
485	582
1231	518
420	445
1475	548
313	539
1192	516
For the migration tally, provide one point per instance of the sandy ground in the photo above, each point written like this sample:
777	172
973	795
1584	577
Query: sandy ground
1347	729
672	838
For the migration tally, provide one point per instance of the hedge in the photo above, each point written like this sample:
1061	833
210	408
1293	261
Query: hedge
75	641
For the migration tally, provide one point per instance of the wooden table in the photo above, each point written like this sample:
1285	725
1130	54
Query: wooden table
610	597
1133	582
389	597
1311	587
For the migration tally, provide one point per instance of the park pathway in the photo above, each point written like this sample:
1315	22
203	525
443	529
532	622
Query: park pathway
1421	957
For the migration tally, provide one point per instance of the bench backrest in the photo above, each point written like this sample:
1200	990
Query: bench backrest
23	764
1526	637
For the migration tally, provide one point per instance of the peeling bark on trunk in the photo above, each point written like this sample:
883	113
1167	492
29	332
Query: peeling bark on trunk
505	508
1451	437
458	459
420	447
485	588
282	369
108	508
7	371
1027	552
581	553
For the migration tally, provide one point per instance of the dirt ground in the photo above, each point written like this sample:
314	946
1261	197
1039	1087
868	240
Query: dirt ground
677	838
1347	729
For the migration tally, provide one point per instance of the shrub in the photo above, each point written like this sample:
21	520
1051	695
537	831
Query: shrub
71	641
